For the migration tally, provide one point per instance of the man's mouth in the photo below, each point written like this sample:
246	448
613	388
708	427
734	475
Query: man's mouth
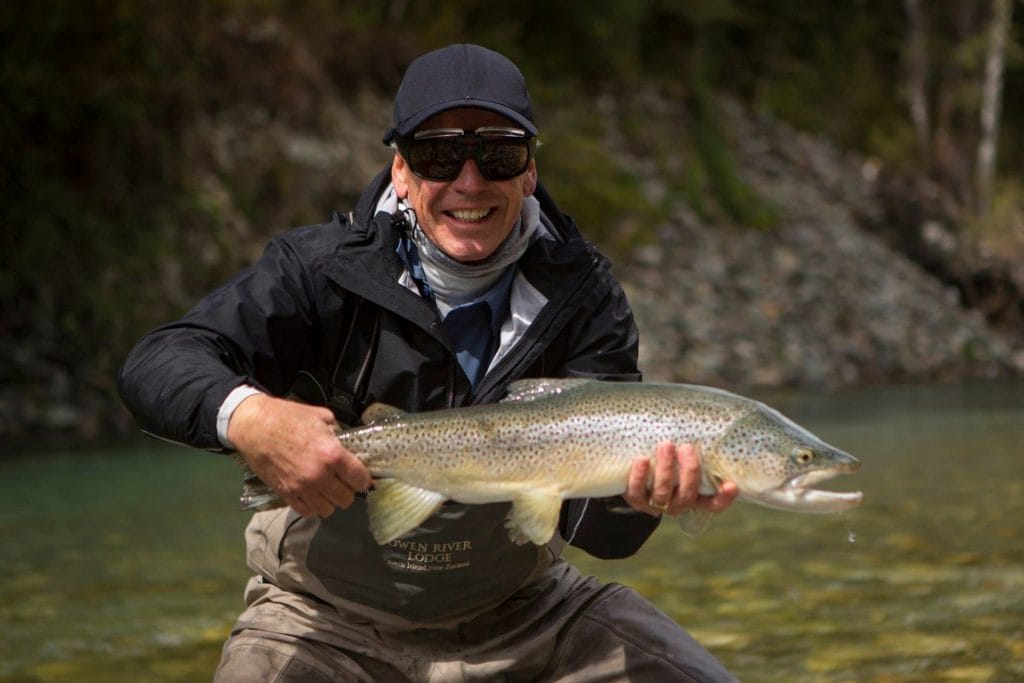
469	215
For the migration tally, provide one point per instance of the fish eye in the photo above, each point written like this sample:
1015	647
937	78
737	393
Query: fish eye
804	456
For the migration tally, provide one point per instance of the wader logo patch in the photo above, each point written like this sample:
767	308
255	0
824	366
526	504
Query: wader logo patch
429	557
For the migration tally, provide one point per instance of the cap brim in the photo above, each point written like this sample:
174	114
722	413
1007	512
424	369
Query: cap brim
413	122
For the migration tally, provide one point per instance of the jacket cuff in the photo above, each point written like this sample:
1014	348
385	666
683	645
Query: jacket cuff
227	409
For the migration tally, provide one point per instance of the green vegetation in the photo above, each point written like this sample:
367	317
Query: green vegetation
115	220
607	199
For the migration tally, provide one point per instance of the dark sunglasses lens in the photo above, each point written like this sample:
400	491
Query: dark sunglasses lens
442	159
501	160
435	159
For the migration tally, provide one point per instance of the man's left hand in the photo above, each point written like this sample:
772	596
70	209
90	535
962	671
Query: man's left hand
675	484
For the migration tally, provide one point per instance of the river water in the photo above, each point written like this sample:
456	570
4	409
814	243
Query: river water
126	564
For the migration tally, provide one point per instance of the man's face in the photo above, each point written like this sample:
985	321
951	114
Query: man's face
467	217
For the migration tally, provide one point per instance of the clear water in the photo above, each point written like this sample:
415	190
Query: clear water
118	565
127	564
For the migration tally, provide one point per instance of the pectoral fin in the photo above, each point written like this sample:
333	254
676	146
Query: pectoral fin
534	516
395	508
695	522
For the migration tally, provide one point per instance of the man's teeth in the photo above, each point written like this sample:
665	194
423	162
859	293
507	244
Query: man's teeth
469	214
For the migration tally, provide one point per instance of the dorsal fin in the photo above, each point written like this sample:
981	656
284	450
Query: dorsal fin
534	389
381	412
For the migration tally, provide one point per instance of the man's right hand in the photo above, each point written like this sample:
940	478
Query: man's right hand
294	449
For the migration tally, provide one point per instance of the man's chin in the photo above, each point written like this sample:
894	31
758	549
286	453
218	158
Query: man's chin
470	243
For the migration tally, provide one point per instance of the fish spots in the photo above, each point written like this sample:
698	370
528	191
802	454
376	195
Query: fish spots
585	431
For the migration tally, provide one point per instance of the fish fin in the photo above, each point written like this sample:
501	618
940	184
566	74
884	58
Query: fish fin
395	508
695	522
534	516
380	412
534	389
256	495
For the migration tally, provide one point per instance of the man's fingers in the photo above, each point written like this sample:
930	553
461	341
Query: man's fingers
665	477
351	471
687	460
338	493
319	488
722	499
637	494
314	504
300	507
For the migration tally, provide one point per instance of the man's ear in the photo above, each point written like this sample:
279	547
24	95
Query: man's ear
530	181
400	176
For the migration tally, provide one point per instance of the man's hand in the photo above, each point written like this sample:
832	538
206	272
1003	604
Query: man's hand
294	449
675	486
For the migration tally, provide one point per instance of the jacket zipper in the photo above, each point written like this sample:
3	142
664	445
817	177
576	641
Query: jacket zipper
503	372
451	380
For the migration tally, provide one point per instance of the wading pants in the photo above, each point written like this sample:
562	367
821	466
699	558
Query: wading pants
564	627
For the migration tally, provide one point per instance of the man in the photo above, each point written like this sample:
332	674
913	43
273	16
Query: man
455	275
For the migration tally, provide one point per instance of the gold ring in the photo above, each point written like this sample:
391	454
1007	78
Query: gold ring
661	506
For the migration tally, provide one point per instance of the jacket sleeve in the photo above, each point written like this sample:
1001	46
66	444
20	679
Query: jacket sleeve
605	345
256	329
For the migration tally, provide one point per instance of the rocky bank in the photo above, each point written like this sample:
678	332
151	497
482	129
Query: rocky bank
819	301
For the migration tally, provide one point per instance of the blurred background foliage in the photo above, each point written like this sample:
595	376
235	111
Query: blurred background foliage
107	229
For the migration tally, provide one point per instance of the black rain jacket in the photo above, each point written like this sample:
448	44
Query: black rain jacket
322	317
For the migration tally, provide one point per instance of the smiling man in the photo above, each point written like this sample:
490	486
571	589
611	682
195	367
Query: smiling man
469	211
454	276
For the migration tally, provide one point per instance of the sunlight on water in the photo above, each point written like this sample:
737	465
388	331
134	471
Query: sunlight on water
128	565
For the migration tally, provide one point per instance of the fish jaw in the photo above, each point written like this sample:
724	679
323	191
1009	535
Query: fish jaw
776	463
798	495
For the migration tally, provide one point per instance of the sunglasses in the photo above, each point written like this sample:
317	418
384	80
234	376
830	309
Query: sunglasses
438	154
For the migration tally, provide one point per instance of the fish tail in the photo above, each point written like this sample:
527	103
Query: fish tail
256	495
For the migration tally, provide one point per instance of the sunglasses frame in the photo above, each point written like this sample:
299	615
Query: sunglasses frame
472	149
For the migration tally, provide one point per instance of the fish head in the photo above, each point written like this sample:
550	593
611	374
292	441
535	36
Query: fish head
776	463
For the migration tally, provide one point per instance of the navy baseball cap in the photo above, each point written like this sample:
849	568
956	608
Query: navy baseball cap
460	76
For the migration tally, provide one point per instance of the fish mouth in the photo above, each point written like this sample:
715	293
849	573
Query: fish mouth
798	495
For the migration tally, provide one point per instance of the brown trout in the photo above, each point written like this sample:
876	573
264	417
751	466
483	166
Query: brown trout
554	439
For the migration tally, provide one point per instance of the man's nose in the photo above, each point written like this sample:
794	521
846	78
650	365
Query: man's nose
470	177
